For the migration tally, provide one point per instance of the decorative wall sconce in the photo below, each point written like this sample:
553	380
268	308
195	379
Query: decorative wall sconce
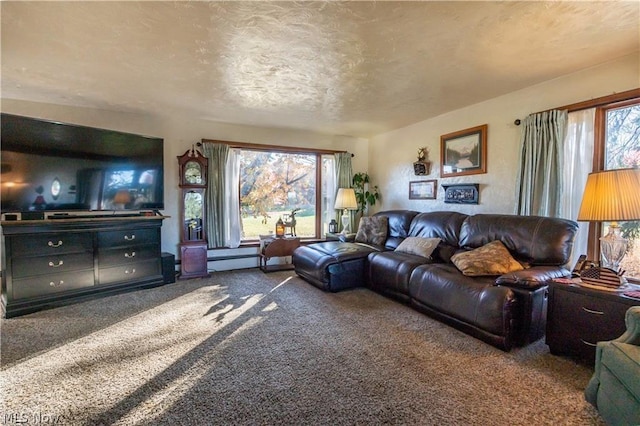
422	167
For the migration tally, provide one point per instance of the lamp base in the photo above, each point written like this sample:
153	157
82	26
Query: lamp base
613	247
345	222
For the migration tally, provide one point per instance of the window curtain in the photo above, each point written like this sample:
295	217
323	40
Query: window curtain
344	177
539	184
215	199
231	206
329	190
578	154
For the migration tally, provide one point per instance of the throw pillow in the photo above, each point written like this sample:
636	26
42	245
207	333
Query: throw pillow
419	246
490	259
373	230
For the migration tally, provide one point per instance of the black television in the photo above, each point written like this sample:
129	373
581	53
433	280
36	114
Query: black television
58	167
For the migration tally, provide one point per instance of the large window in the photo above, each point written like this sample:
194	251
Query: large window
275	184
618	147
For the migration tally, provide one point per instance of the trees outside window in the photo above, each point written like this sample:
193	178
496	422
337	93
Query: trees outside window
274	183
620	149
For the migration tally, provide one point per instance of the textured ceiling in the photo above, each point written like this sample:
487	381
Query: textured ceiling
348	68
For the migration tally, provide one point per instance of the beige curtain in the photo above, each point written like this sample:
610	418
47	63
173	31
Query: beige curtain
344	176
539	180
215	199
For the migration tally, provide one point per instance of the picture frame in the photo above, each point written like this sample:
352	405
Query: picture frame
423	189
468	193
464	152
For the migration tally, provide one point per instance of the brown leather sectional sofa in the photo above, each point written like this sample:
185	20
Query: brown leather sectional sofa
503	310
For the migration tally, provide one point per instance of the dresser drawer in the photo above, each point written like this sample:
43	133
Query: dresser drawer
52	283
127	255
128	237
131	272
601	321
36	245
592	319
53	264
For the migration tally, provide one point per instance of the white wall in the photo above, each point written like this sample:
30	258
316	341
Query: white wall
392	154
179	134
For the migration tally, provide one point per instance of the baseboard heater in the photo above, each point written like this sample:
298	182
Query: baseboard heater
223	258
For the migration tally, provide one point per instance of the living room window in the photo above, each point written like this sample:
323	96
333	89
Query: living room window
275	183
617	146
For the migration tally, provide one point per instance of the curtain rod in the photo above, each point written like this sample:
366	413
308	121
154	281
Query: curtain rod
592	103
262	147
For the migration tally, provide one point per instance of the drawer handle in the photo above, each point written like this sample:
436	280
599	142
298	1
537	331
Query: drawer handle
591	311
588	343
53	284
52	244
53	265
132	271
130	237
130	255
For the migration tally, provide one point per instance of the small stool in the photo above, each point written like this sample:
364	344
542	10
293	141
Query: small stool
277	247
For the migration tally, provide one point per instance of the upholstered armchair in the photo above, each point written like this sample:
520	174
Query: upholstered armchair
614	388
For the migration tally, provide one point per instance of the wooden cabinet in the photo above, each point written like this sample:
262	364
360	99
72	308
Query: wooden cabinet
579	317
48	262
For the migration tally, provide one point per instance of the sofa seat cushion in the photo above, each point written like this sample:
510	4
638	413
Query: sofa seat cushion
472	300
332	265
389	272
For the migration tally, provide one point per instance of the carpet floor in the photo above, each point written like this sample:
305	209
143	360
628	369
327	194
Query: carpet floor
247	348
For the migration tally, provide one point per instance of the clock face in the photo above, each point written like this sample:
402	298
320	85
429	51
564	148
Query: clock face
193	173
55	188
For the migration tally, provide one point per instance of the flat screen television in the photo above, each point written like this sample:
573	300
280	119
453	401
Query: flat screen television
57	167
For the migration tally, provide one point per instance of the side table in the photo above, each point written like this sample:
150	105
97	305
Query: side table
579	317
277	247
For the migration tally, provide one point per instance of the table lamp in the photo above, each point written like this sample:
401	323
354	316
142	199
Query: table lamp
612	196
346	199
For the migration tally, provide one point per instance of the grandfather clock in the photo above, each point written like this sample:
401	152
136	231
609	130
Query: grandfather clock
192	166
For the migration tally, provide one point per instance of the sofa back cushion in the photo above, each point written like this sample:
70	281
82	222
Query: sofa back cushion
443	225
398	225
534	240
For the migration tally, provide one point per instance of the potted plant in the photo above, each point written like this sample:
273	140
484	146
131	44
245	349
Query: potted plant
365	196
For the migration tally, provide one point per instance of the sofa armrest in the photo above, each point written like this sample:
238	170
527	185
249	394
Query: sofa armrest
347	238
533	277
632	321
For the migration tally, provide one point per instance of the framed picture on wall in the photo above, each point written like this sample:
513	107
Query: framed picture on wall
464	152
423	189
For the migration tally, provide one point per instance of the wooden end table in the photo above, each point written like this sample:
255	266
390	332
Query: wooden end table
579	317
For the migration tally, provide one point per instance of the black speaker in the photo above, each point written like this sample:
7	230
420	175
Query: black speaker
168	267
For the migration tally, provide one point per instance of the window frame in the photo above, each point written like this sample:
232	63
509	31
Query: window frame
601	105
319	153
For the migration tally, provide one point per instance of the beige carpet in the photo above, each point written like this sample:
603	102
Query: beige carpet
260	349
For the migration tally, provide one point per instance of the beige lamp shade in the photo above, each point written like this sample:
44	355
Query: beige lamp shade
611	196
346	199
